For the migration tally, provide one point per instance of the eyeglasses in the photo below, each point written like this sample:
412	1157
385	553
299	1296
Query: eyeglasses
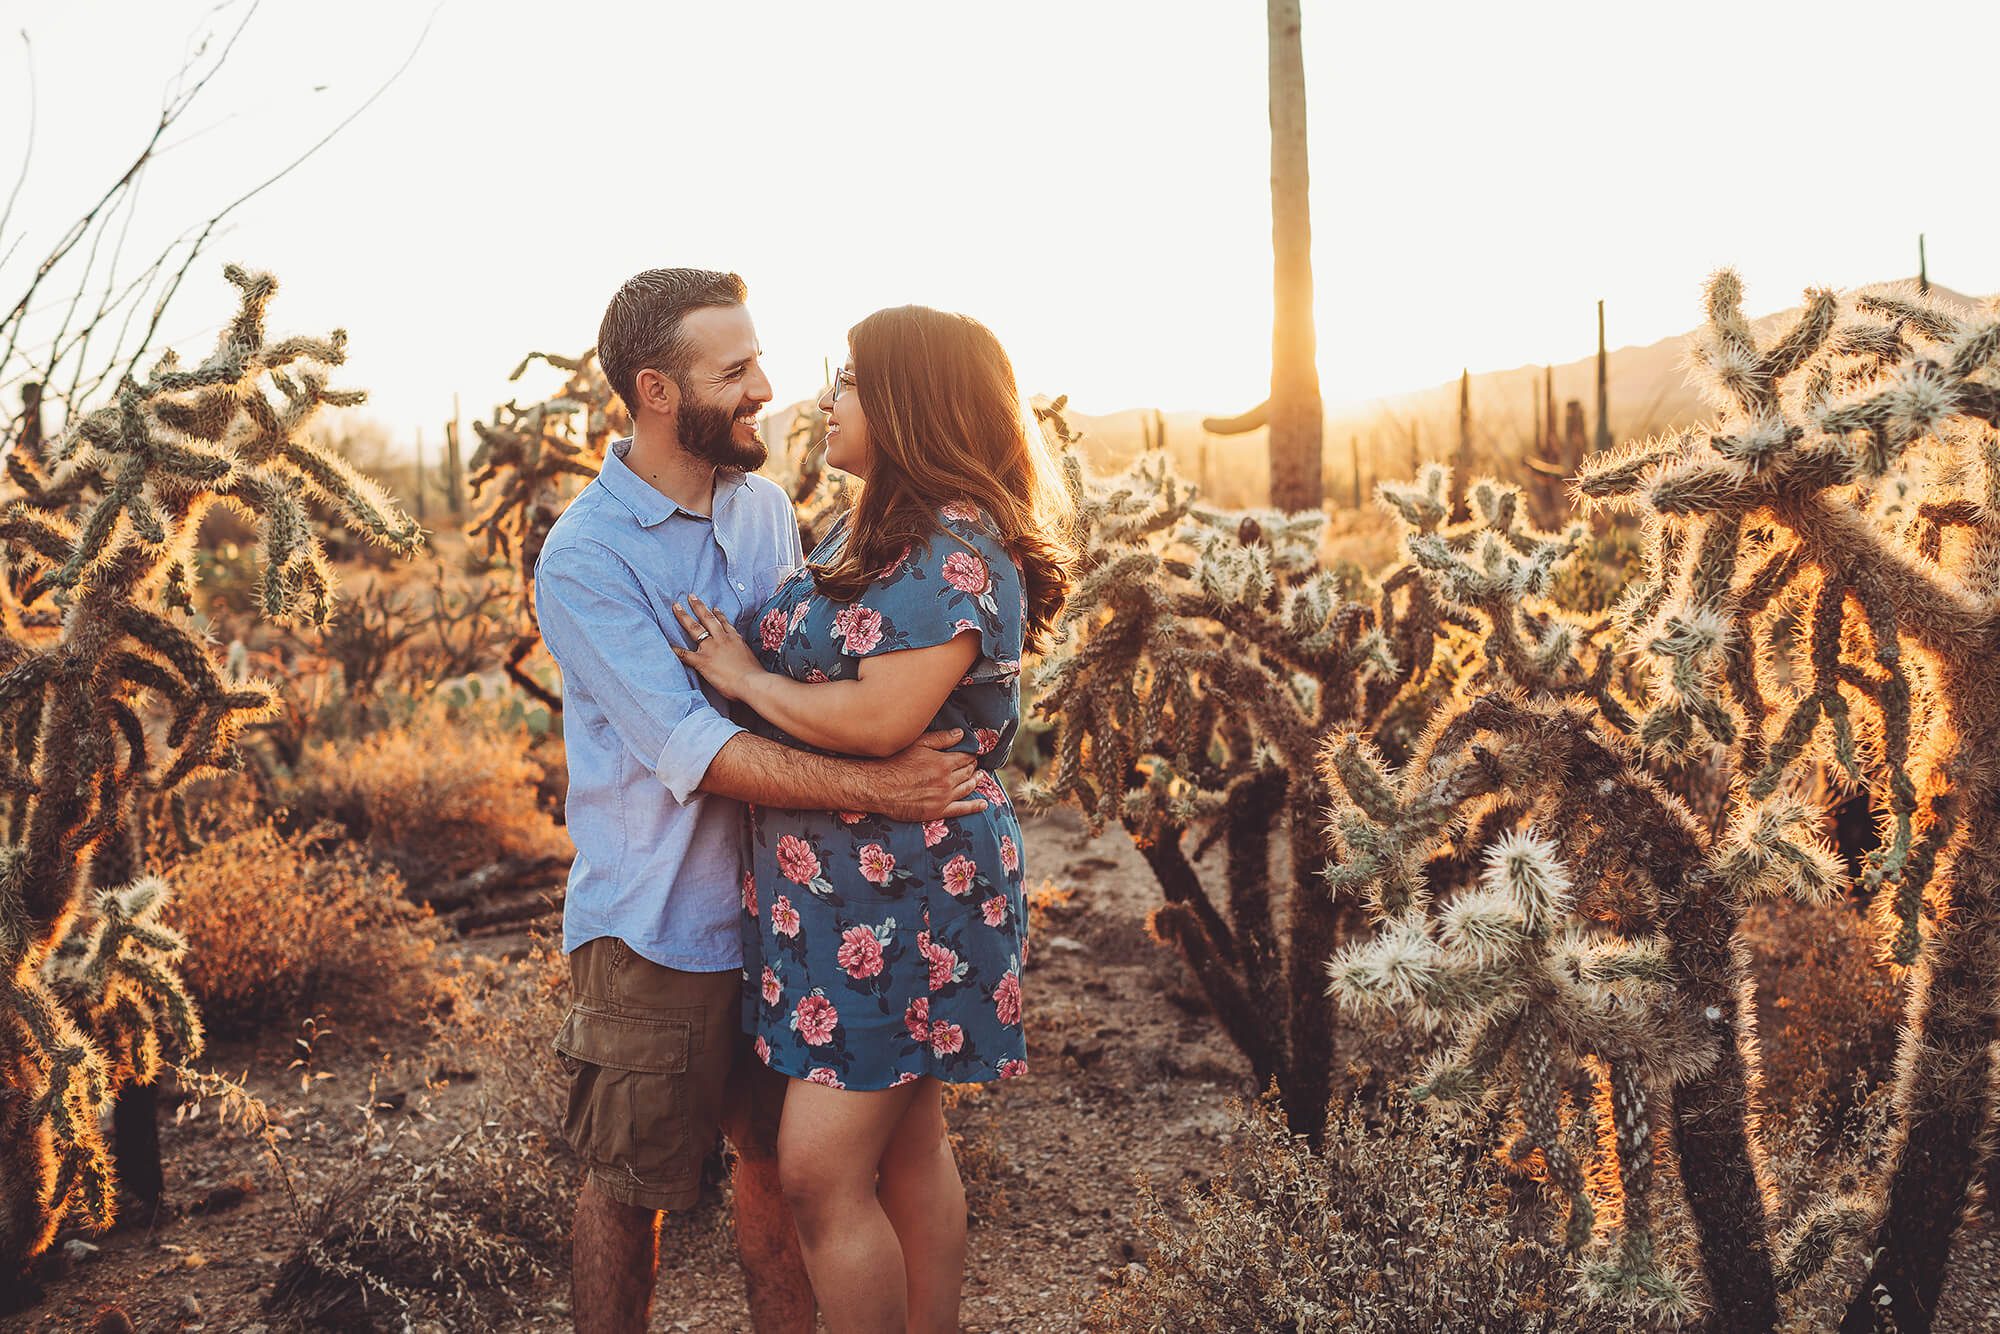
842	379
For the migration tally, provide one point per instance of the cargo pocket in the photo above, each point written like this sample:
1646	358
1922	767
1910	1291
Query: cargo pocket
628	1109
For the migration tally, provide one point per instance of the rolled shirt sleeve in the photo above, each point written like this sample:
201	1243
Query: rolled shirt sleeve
601	629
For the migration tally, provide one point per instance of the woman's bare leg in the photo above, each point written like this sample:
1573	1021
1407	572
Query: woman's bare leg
925	1201
829	1145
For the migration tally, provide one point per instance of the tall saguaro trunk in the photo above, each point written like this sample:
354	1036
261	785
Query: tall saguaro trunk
1296	424
1603	441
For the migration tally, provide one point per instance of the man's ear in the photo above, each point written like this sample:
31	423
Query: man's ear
657	391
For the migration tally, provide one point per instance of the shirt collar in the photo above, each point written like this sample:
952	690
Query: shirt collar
648	505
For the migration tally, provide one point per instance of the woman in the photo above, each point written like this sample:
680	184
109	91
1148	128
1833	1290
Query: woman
882	960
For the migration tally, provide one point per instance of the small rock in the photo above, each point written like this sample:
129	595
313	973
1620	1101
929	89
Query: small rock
189	1310
76	1250
1068	944
113	1320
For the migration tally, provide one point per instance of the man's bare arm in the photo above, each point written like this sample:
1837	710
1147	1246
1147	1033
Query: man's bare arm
923	782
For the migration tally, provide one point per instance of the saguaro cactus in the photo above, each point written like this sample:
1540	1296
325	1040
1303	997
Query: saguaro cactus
74	747
1293	411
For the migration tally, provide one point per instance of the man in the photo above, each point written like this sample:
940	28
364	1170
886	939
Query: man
653	1042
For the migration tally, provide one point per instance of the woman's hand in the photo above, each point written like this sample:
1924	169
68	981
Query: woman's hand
719	653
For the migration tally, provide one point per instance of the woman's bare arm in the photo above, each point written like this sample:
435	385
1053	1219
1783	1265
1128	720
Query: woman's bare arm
884	710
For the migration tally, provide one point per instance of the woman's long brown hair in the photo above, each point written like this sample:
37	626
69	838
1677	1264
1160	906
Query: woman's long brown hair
944	424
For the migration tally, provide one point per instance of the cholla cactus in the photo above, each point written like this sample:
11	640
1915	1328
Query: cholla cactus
1206	655
528	456
75	750
531	458
1852	487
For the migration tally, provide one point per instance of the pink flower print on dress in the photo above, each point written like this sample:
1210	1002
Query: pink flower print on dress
946	1038
821	1074
799	610
771	630
750	893
989	787
860	952
958	876
850	817
814	676
962	511
1011	1068
994	910
796	860
1007	1000
763	1049
894	567
814	1019
859	626
1010	856
877	863
945	967
934	833
988	739
907	1077
966	572
772	992
917	1018
784	917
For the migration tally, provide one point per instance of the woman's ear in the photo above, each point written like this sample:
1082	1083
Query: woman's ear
657	391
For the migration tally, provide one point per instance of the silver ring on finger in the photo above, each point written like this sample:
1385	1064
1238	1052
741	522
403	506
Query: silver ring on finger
702	637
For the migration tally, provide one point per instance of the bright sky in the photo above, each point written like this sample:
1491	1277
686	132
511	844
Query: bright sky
1090	177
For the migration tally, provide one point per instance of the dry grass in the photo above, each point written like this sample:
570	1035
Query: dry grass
1400	1226
279	924
426	1227
445	793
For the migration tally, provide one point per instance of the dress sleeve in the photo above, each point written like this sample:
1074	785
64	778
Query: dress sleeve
963	579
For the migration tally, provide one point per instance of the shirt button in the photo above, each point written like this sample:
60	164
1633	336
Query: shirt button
739	585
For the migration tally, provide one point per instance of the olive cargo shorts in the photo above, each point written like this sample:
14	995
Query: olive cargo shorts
648	1051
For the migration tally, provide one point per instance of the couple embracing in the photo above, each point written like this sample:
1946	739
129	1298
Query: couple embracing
796	911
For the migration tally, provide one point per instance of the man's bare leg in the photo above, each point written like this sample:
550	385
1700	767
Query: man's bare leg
614	1253
780	1294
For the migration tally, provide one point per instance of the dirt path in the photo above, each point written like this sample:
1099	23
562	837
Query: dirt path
1128	1077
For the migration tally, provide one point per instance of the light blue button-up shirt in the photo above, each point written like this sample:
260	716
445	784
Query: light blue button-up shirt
658	864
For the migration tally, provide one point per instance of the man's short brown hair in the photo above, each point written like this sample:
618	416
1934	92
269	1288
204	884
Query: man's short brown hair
642	325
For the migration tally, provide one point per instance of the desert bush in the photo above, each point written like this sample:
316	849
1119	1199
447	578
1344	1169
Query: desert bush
281	924
1828	1014
452	1230
408	1229
442	794
1395	1225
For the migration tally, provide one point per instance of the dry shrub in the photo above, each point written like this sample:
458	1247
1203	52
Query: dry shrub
460	1230
448	792
1829	1010
278	923
1399	1226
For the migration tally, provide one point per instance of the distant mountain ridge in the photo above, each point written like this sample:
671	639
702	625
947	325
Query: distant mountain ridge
1647	387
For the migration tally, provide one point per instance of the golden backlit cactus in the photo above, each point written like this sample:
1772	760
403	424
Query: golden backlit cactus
114	558
1825	591
1205	655
1821	596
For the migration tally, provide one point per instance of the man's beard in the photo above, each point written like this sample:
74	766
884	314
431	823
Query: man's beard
709	433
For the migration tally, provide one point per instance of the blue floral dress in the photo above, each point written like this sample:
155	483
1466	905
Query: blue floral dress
877	951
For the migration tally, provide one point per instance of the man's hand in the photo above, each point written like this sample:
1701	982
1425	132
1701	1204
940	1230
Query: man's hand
927	782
